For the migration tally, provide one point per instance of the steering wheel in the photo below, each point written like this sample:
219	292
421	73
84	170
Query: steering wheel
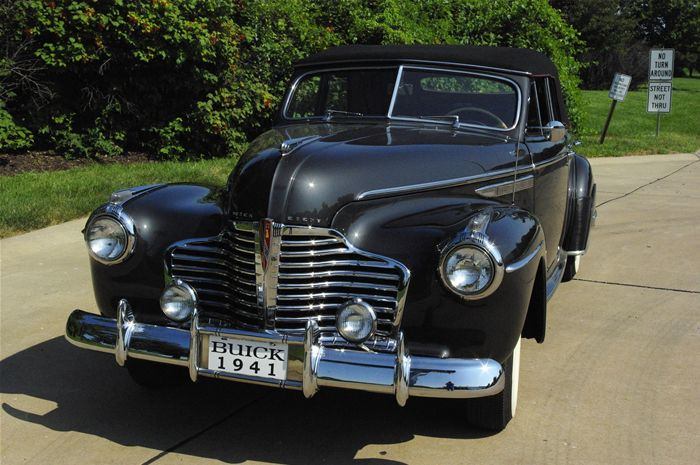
479	112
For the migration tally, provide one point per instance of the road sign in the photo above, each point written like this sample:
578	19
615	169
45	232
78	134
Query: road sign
661	64
619	87
660	83
659	97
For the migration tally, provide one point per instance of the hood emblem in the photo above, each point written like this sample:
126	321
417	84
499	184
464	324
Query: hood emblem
290	144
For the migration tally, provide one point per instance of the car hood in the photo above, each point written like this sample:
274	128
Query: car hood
332	164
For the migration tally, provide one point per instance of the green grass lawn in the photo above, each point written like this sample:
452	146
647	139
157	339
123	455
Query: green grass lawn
35	200
632	129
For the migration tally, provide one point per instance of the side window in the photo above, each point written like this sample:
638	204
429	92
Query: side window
540	106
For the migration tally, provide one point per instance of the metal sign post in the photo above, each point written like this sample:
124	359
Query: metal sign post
660	83
618	91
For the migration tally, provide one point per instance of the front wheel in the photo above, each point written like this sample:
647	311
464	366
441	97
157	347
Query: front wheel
494	412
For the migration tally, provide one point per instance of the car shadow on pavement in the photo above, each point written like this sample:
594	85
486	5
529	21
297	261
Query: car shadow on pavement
227	421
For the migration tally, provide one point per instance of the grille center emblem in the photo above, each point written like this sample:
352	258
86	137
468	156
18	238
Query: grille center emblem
265	239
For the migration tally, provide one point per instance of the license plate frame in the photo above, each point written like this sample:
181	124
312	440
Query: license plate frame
238	356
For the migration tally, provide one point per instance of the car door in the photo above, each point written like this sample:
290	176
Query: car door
551	163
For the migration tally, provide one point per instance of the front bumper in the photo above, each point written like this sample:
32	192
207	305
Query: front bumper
310	364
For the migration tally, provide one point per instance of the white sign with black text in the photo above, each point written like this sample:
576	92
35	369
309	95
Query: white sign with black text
619	87
661	64
659	100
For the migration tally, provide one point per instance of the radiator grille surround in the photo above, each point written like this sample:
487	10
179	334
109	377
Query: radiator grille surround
265	275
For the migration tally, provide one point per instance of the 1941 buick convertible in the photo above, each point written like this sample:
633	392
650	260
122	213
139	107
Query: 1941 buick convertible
399	230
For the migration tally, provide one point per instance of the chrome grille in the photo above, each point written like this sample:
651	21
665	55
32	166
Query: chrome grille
319	271
309	274
222	271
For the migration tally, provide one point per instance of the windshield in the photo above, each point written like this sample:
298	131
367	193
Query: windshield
436	95
356	92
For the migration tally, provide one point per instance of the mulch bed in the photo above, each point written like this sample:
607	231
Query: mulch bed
11	164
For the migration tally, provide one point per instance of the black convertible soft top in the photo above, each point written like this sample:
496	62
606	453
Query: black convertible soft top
516	59
519	60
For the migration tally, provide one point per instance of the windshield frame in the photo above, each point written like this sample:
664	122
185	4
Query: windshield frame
399	74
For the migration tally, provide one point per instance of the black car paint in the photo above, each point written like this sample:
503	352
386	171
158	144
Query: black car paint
318	183
161	216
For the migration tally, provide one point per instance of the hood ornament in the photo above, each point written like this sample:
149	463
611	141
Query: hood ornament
291	144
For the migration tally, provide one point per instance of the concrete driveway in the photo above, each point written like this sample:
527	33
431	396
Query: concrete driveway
614	383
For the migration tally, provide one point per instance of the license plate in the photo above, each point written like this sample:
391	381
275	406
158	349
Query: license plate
238	356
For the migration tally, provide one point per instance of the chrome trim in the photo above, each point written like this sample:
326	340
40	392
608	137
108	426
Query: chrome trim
116	212
507	187
182	284
370	311
125	328
291	258
522	262
550	161
194	346
576	253
290	145
397	82
432	185
122	196
311	356
481	241
310	364
403	371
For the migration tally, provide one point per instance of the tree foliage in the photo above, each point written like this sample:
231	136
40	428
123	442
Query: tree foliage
619	33
193	78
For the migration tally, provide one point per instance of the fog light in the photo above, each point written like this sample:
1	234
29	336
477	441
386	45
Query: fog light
178	301
356	321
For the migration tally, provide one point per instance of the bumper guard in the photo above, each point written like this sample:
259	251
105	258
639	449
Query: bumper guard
310	365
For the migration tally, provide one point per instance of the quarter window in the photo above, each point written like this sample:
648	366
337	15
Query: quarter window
541	108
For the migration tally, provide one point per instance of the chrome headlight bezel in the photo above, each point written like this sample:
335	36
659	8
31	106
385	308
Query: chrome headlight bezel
483	243
367	311
187	290
114	213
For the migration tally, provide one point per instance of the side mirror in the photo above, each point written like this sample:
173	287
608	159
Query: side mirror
557	131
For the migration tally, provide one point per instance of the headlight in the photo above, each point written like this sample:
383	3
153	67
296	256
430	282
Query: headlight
468	269
107	239
178	301
356	321
473	269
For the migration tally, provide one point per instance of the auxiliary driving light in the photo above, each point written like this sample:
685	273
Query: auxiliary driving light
178	301
356	321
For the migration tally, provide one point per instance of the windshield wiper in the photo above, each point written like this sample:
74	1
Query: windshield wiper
453	118
331	113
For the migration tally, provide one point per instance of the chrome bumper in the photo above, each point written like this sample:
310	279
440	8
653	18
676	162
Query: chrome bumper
310	365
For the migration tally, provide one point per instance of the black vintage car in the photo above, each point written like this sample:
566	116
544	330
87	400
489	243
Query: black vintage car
399	230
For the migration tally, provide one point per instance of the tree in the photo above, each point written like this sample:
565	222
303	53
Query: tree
672	24
609	30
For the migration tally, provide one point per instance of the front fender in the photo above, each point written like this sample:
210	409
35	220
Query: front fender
413	229
161	216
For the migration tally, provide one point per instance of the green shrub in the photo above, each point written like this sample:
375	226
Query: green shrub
12	136
200	78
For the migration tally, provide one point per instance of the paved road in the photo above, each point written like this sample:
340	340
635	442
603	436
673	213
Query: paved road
615	382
